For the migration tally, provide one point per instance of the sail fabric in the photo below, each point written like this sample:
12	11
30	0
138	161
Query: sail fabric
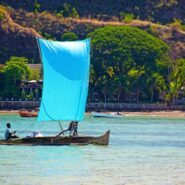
65	81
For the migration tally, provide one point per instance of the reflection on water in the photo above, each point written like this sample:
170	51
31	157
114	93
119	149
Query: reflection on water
141	151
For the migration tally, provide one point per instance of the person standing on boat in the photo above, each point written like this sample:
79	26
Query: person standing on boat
75	133
8	133
70	129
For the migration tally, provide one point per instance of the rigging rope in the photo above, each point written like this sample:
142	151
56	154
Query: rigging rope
32	124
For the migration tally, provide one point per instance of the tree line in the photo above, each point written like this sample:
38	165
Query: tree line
127	65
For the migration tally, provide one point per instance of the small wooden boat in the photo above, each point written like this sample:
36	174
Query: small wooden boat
28	114
65	140
111	115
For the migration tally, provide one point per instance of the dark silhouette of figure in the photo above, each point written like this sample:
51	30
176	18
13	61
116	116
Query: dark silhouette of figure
75	133
8	133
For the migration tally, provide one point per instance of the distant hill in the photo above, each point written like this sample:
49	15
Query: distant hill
22	21
163	11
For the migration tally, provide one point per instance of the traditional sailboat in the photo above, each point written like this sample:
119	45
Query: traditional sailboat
65	88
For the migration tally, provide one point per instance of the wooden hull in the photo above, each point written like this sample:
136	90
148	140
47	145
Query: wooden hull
67	140
99	114
28	114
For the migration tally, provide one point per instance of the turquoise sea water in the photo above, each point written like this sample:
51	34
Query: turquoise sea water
142	151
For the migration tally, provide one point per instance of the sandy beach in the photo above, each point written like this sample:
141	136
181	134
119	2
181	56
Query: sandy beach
178	114
3	112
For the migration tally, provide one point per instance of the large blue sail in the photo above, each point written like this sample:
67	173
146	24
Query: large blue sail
66	77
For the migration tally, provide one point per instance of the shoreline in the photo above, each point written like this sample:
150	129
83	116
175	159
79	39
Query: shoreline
177	114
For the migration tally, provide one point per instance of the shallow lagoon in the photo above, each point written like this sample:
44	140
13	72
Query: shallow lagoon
142	150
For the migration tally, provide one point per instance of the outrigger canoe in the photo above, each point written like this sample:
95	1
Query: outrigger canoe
64	140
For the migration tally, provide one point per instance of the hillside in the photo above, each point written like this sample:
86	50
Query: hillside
163	11
19	27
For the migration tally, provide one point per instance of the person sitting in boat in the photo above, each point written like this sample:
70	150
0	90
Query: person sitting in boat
8	133
75	133
70	129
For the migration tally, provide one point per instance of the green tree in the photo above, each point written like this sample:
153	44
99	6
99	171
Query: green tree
36	7
127	17
2	81
157	85
69	36
14	71
126	57
177	25
177	79
69	11
136	79
34	74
